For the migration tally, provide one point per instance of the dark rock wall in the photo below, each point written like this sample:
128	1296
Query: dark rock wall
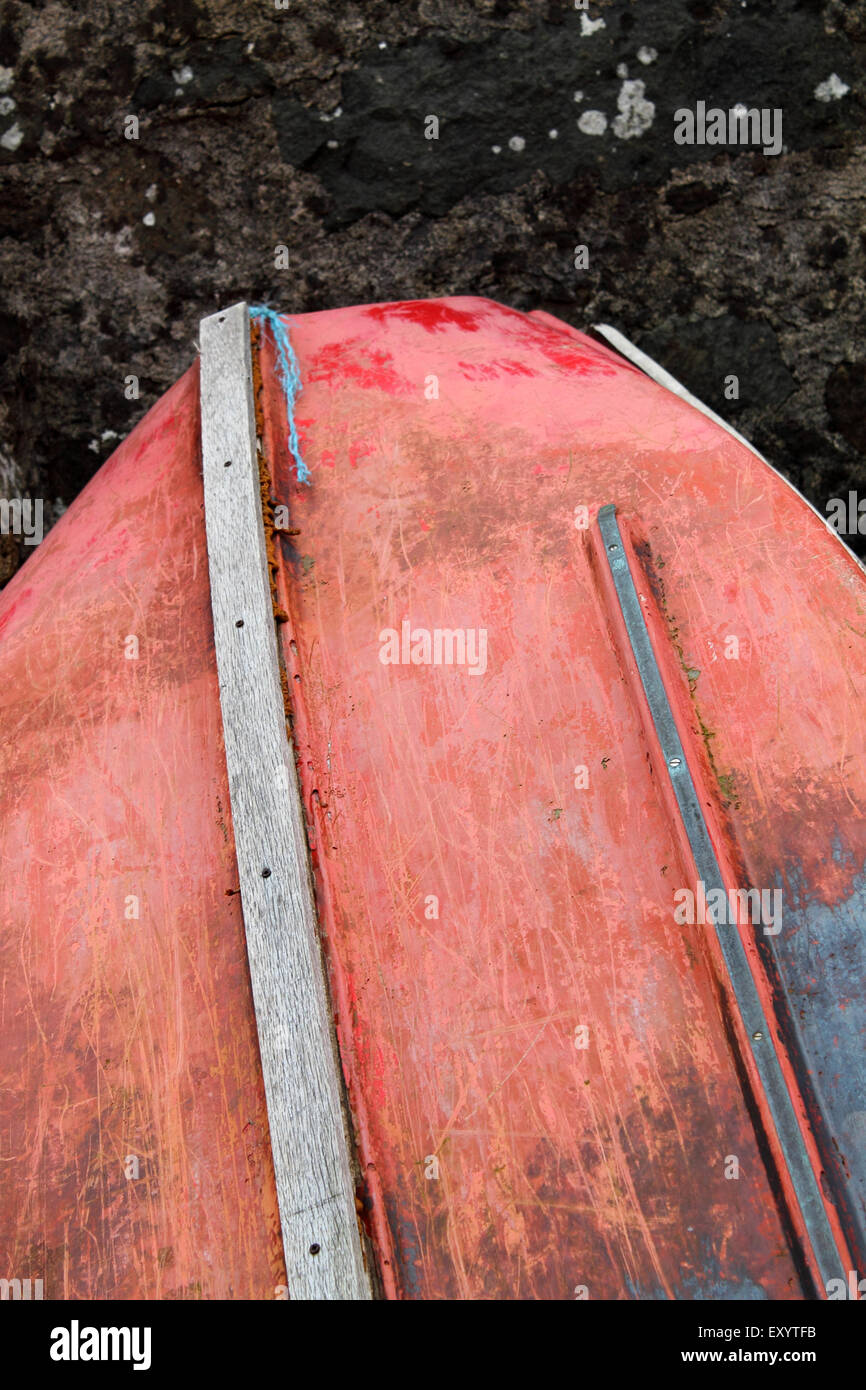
305	128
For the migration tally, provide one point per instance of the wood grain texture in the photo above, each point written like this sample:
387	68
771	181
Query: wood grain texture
315	1187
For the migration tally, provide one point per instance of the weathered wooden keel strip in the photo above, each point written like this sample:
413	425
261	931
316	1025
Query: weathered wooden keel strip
315	1187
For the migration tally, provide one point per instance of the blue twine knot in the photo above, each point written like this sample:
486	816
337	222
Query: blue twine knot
290	379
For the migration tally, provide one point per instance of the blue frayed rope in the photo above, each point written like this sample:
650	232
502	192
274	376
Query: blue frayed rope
290	379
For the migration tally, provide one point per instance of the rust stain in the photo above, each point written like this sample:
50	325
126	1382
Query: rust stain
284	647
267	495
651	565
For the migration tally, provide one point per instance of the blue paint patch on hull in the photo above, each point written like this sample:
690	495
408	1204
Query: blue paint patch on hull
819	958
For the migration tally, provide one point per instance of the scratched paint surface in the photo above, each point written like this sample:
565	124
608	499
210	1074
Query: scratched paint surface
786	727
484	916
125	1035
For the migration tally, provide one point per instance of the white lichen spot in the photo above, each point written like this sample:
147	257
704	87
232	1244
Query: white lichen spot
589	26
578	96
647	55
636	114
11	138
109	434
251	46
517	144
149	219
592	122
6	76
553	134
497	149
383	44
333	144
151	192
182	75
94	446
334	115
832	89
621	70
7	104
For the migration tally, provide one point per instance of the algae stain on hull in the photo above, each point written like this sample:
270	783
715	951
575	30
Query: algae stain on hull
726	781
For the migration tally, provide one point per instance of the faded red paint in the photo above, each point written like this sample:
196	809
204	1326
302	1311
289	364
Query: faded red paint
123	1036
559	1167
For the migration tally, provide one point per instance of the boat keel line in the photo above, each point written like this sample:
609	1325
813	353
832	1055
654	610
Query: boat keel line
308	1127
803	1181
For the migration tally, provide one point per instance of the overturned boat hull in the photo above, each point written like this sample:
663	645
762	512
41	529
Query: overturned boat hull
535	1022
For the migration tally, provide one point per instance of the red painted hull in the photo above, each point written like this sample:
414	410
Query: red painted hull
126	1037
551	1093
